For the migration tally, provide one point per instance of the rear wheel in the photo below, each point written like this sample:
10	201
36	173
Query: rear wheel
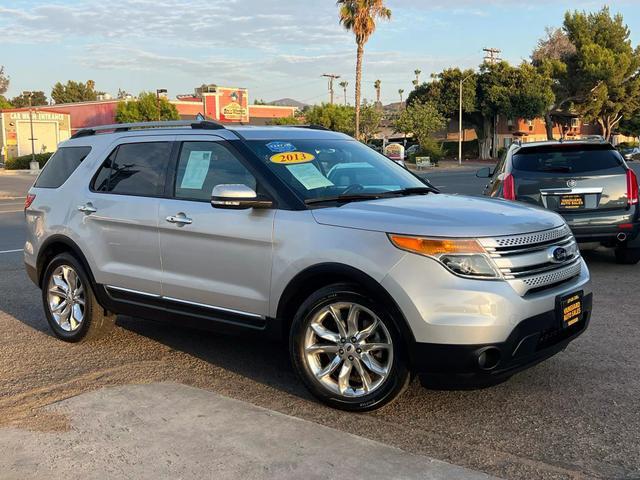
627	256
347	349
71	308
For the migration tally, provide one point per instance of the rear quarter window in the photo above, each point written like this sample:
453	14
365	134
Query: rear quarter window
61	165
566	159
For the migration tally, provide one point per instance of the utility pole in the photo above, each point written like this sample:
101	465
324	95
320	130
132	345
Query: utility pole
491	55
331	77
159	91
29	95
462	80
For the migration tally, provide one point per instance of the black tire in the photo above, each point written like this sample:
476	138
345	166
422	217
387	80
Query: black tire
389	389
627	256
96	321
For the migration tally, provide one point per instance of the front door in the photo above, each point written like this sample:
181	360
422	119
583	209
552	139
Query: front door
214	258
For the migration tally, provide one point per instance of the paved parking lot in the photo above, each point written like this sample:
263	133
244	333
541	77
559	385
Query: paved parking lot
574	416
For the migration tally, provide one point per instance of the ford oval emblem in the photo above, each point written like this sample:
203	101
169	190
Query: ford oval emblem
571	183
559	254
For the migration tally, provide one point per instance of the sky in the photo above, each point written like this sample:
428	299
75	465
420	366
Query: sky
275	48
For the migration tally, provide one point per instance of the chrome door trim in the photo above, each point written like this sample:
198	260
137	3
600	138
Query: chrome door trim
186	302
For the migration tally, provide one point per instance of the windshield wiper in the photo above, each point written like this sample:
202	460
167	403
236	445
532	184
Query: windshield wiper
414	191
350	197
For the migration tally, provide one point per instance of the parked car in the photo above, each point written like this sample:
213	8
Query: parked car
306	235
412	150
587	182
630	154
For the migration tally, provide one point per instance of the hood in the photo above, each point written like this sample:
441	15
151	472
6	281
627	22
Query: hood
440	216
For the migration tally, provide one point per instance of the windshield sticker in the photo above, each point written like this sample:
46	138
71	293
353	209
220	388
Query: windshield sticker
196	171
292	157
280	147
309	176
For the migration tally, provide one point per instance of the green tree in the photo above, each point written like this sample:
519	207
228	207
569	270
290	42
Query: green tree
38	98
605	68
631	126
73	92
339	118
370	118
422	120
145	109
360	16
4	81
285	121
4	103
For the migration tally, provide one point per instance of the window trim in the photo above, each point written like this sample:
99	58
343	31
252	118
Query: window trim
71	174
172	152
171	182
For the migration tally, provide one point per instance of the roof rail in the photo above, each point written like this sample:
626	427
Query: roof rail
312	127
125	127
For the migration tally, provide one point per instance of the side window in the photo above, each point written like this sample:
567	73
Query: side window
61	165
135	169
203	165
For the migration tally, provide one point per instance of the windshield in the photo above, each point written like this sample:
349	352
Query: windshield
318	169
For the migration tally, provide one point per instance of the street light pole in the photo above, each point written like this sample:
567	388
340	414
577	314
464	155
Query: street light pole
33	140
158	92
462	80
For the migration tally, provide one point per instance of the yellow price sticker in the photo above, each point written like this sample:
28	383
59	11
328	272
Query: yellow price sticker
289	158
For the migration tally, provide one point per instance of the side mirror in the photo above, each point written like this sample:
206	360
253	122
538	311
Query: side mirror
237	197
486	172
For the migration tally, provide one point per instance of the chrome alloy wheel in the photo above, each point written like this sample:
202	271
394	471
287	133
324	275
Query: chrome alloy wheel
66	298
348	349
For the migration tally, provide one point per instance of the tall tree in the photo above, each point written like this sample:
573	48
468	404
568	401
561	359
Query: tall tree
360	16
334	117
606	67
4	81
422	120
145	109
400	92
377	85
344	84
38	98
631	126
73	92
370	118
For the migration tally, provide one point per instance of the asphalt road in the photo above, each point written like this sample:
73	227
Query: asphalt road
576	415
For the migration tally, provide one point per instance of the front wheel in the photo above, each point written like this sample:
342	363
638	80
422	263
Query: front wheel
627	256
347	350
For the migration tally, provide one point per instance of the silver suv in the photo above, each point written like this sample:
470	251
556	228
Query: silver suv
305	234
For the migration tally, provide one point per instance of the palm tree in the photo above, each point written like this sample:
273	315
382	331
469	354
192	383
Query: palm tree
376	85
359	16
401	91
417	73
344	84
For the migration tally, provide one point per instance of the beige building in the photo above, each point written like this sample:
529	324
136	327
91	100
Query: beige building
50	127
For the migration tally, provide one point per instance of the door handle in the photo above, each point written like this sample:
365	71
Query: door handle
87	208
180	219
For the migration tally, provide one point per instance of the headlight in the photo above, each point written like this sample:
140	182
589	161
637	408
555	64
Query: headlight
464	257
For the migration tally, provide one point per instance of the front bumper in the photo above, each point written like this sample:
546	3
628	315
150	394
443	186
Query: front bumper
532	341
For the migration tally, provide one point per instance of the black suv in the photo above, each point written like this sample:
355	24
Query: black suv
586	182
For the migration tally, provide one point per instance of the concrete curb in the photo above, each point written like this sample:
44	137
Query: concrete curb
167	430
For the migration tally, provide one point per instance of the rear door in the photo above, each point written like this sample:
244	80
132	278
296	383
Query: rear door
571	178
116	218
212	258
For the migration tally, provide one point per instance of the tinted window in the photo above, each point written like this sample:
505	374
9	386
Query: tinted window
135	169
566	159
203	165
61	165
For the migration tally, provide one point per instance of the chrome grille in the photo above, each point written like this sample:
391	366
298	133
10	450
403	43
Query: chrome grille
527	262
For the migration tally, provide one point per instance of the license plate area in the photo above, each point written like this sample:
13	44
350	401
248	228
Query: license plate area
571	202
570	309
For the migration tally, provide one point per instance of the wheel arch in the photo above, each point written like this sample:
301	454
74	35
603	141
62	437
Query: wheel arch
317	276
55	245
